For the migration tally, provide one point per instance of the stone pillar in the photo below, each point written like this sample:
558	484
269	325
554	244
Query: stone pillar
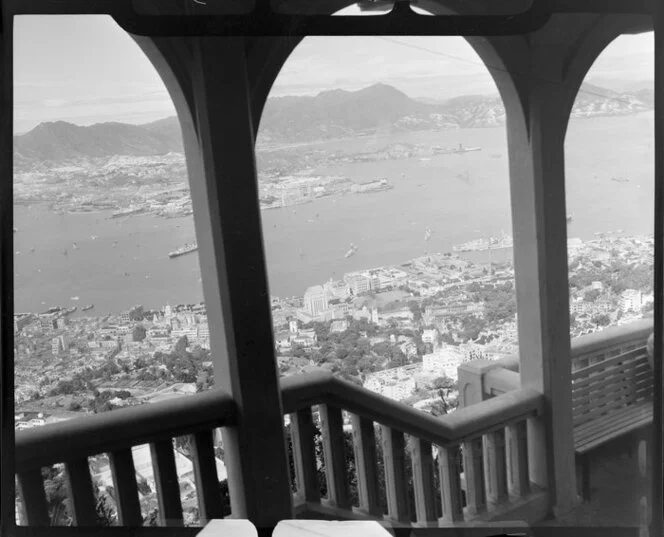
207	79
536	134
471	383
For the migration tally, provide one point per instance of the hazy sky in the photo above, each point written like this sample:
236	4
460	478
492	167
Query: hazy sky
85	69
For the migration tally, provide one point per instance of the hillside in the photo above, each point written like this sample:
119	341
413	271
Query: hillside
328	115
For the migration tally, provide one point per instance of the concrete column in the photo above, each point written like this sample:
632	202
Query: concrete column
471	381
219	145
537	181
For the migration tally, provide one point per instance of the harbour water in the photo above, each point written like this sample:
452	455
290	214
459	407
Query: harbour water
459	197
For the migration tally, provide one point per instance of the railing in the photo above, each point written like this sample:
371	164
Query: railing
115	433
481	455
501	376
481	452
610	370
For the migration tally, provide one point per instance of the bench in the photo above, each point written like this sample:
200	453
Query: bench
611	397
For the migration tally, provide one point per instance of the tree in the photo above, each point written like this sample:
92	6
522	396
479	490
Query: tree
138	333
591	295
601	319
445	386
181	346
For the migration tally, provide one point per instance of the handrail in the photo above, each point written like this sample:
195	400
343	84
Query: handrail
125	427
613	336
303	391
616	334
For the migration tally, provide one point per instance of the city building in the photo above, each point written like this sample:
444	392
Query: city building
315	300
339	326
430	336
443	361
631	300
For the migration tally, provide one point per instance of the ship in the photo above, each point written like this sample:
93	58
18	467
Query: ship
462	149
186	249
379	185
88	307
127	212
427	234
351	251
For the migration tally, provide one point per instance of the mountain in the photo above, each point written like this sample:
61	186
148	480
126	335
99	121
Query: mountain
328	115
60	141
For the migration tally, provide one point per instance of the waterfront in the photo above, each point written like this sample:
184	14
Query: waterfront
460	197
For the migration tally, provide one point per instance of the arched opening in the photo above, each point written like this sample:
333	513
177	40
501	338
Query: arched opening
108	295
423	116
609	191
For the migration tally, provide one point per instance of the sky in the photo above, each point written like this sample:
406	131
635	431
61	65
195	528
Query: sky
85	69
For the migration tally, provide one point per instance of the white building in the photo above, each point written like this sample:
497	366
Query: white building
315	300
444	361
631	300
430	336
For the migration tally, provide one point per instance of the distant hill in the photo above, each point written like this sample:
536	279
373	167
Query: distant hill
330	114
60	141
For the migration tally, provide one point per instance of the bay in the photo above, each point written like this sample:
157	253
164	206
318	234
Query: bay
460	197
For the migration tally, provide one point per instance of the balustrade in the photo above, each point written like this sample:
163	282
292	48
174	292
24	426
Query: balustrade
115	433
467	449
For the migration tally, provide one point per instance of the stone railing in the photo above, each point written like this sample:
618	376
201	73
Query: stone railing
483	379
481	452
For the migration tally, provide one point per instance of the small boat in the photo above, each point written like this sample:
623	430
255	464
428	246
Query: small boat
88	307
75	246
351	251
569	218
93	237
73	298
427	234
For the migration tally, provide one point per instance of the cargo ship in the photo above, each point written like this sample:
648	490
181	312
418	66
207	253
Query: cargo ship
351	251
88	307
186	249
127	212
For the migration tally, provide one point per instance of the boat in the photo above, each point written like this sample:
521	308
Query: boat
427	234
127	212
186	249
15	229
73	298
88	307
351	251
75	246
569	218
462	149
619	179
93	237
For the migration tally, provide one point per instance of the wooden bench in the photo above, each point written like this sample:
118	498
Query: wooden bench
611	397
